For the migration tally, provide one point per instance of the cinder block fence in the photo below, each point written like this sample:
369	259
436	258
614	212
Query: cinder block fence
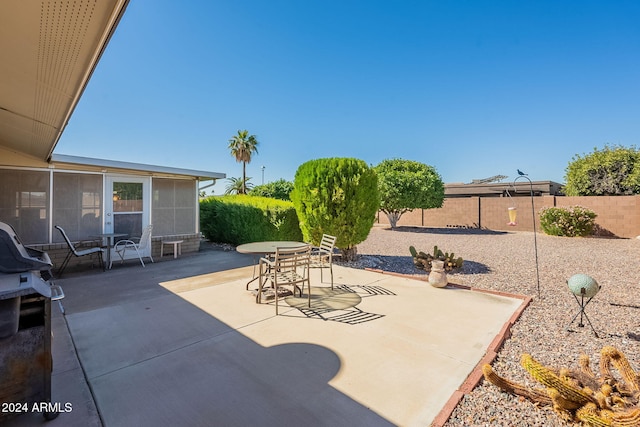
618	216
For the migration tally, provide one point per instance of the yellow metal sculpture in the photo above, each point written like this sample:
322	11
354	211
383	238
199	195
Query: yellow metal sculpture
604	400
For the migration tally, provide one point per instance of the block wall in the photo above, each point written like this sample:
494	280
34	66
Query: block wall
453	213
618	216
494	212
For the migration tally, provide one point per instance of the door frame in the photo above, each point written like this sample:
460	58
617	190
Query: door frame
107	222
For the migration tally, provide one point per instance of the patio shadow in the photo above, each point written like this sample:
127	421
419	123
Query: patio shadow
151	357
339	304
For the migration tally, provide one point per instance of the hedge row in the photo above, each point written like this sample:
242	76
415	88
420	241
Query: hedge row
242	219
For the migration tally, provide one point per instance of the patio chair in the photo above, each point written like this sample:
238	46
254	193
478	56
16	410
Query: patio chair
77	253
322	256
130	248
289	267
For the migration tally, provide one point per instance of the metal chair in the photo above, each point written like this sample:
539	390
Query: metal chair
78	253
139	249
289	267
322	256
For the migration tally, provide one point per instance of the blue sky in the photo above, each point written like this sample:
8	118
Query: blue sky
473	88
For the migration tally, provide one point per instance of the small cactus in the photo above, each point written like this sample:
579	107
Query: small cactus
579	395
413	251
569	395
535	395
437	253
423	260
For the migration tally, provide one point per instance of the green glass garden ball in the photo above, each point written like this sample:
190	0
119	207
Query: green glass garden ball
577	282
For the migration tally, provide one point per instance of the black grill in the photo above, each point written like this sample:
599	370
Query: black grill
26	293
17	258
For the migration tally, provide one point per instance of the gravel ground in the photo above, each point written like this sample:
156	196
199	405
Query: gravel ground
505	261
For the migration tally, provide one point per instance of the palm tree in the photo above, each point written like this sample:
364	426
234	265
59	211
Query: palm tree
242	148
237	185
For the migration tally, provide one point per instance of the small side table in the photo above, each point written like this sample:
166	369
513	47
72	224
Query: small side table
177	247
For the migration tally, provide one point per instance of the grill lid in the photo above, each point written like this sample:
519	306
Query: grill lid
15	257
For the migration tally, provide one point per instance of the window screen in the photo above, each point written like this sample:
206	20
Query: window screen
24	204
77	205
173	206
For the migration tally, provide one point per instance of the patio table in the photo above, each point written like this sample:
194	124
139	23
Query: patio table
265	249
110	238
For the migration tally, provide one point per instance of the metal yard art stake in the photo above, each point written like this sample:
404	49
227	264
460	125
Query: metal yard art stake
586	287
522	175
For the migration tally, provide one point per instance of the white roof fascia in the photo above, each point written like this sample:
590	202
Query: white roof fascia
104	163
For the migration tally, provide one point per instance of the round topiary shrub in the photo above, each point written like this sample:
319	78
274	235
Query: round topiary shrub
571	221
336	196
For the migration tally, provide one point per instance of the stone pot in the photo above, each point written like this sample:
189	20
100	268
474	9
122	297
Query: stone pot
437	276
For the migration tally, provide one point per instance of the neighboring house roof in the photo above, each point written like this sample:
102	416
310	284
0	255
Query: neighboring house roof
48	52
497	189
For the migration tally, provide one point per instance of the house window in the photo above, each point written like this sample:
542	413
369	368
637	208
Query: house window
173	206
77	205
24	203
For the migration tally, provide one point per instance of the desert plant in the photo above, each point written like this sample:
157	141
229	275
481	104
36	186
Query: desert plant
242	146
578	395
237	185
423	260
571	221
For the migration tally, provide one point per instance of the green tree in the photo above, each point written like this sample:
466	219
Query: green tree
614	170
279	189
237	185
242	147
337	196
406	185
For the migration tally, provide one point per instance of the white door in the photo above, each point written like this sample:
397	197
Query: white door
127	205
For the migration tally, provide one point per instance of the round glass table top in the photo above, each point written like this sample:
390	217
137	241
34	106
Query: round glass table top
268	247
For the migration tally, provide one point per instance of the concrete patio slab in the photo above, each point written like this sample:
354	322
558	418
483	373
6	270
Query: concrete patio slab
182	342
399	342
